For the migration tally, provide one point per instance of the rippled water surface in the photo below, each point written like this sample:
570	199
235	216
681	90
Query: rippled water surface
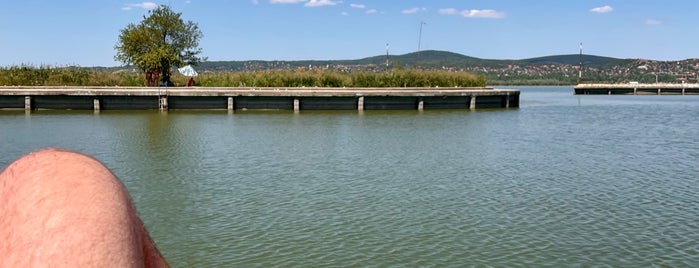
562	181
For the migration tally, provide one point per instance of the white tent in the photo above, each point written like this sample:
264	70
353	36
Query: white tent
188	71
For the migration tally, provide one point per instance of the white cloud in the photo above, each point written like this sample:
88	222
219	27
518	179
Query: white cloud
344	13
371	11
413	10
474	13
255	2
448	11
308	3
144	5
604	9
320	3
483	13
360	6
653	22
286	1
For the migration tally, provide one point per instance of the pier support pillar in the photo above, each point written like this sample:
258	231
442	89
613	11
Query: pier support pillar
162	103
96	105
421	105
297	105
360	104
27	103
635	91
230	106
682	91
507	101
658	91
472	105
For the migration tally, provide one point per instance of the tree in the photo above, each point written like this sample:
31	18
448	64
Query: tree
162	40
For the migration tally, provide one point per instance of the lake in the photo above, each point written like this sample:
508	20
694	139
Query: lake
563	180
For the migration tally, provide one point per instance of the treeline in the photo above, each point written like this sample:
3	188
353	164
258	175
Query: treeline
529	82
78	76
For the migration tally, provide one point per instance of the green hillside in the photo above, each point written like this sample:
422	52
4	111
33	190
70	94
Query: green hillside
547	70
574	59
429	59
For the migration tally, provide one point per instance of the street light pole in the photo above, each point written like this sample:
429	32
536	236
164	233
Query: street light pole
387	57
581	64
419	43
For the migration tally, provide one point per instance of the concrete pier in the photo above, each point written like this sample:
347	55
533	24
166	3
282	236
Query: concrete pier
637	89
297	99
162	103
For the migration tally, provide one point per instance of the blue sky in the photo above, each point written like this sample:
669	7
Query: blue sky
82	32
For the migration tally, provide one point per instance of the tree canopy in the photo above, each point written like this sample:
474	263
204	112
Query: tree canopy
162	40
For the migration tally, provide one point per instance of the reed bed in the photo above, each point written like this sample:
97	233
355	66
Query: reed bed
77	76
67	76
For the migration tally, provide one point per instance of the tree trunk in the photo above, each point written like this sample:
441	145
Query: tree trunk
165	80
152	78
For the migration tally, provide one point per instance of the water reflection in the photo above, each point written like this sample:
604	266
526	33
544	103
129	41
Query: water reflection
562	181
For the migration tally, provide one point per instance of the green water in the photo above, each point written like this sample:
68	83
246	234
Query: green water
562	181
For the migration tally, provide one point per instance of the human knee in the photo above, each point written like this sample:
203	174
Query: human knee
64	178
59	205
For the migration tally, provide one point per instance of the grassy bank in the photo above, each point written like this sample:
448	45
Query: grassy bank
77	76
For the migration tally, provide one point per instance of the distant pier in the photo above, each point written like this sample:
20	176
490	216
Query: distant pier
637	89
249	98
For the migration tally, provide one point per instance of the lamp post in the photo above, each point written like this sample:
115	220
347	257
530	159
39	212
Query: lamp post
387	57
581	64
419	42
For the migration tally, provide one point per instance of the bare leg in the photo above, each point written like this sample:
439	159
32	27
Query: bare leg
61	208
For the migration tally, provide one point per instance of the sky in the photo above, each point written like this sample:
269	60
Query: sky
84	32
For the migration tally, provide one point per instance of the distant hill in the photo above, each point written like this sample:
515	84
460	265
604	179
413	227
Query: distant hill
574	59
428	59
555	69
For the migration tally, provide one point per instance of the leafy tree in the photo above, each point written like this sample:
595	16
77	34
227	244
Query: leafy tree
159	42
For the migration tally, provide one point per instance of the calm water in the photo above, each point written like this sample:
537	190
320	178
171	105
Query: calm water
562	181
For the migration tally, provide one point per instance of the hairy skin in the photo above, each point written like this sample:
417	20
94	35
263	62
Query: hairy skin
60	208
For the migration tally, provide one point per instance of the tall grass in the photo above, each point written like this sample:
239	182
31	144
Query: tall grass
66	76
76	76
